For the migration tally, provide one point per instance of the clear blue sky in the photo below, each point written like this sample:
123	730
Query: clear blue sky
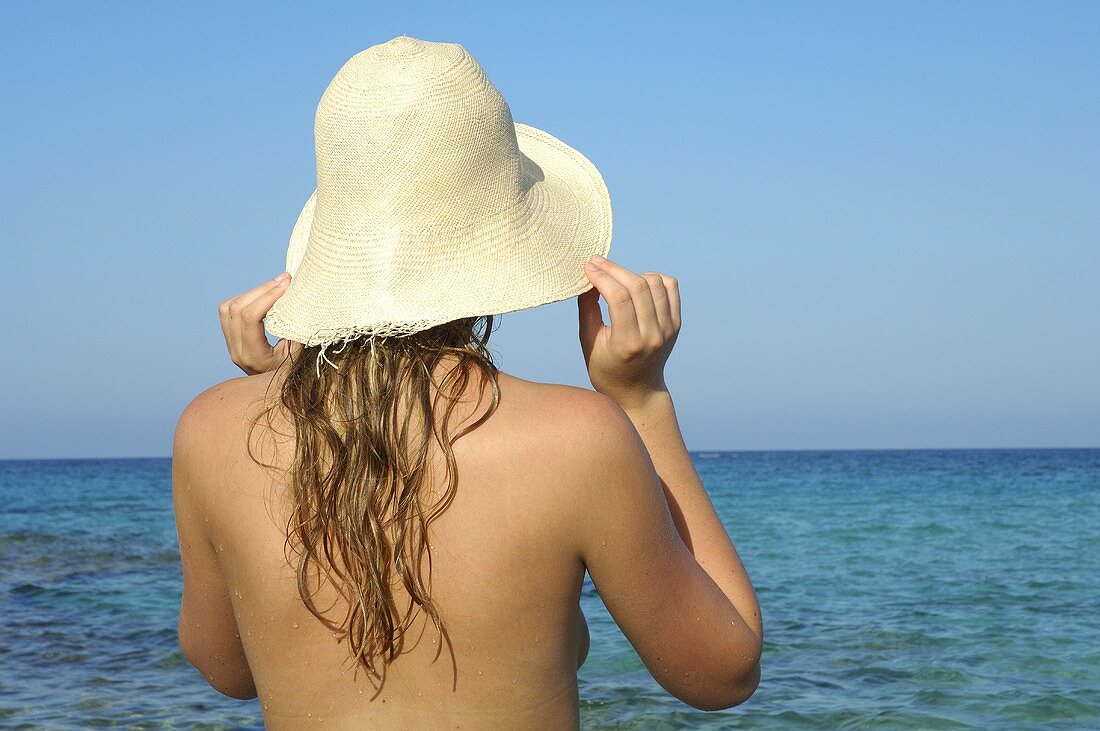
885	216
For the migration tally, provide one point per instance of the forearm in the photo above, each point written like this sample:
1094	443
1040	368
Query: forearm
692	511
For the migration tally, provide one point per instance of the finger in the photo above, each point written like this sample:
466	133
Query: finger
660	303
226	323
620	304
649	328
248	326
256	310
242	324
672	287
244	300
591	319
232	308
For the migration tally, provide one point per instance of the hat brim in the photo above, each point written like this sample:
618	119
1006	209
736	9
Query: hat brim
533	255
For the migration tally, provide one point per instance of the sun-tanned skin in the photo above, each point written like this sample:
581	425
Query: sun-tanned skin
557	481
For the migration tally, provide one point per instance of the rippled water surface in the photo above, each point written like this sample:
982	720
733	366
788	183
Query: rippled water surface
923	590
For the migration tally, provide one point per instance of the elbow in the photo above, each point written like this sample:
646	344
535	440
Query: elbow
732	687
735	693
746	672
724	695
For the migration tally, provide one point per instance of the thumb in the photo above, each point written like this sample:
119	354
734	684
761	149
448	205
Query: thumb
591	319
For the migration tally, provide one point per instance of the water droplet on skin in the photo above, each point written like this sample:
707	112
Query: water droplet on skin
295	625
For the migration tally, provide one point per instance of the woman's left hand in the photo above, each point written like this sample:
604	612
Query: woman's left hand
242	320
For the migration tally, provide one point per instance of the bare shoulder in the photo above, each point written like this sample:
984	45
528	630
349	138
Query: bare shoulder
231	392
218	412
584	452
583	436
565	415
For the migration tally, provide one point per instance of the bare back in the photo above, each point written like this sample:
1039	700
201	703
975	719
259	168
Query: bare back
558	481
506	577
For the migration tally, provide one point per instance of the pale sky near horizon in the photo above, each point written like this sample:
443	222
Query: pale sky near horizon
885	217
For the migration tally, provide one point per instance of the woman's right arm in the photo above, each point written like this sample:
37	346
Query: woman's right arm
696	521
652	541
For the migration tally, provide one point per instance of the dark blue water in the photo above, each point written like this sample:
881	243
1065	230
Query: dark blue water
923	590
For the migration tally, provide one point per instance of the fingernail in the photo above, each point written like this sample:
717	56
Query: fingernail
597	257
590	266
283	278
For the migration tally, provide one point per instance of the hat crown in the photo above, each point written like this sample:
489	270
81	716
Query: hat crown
412	137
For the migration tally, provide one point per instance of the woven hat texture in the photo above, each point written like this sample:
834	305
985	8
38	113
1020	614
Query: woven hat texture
432	204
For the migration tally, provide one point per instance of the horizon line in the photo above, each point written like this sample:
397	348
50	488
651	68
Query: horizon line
690	451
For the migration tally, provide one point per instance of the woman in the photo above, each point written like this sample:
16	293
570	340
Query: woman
378	527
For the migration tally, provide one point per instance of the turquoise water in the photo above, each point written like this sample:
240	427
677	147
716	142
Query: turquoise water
923	590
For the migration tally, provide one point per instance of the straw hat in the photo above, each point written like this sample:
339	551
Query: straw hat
432	204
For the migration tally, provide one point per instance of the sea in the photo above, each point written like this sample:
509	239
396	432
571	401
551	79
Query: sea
900	590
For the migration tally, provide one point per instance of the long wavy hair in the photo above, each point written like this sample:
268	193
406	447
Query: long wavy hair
361	470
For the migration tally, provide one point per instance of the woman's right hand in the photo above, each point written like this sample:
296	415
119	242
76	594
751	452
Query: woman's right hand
626	360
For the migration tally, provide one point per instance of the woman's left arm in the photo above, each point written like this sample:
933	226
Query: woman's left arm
208	633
